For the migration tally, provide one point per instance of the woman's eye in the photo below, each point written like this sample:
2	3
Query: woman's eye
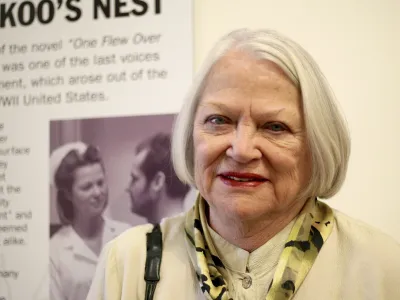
217	120
276	127
86	187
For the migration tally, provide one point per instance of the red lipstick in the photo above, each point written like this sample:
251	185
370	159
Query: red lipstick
238	179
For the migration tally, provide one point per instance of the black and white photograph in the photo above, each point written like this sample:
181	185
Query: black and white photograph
106	175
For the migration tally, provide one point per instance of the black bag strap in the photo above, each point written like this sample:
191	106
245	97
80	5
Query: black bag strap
153	260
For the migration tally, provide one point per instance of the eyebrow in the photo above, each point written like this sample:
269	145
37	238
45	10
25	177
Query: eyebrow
225	108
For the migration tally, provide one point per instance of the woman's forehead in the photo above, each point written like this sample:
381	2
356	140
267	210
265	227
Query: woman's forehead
241	71
87	171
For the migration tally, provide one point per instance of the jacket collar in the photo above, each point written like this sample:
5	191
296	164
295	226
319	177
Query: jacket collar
74	243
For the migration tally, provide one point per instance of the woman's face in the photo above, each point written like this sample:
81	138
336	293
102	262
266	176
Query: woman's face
89	191
251	157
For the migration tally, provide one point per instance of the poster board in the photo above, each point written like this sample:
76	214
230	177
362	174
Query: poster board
111	74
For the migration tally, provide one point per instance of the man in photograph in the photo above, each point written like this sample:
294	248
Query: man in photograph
155	190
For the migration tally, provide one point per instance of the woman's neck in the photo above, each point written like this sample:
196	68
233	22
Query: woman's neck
88	228
249	235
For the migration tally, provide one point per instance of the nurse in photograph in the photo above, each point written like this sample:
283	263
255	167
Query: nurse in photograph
78	176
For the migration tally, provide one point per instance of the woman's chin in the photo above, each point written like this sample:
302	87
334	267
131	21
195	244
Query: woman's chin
239	208
95	212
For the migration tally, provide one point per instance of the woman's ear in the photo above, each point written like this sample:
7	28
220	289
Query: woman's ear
67	194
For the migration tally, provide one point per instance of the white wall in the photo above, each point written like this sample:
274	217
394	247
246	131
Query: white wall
357	46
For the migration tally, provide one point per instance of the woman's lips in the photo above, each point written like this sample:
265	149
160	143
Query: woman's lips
238	179
98	203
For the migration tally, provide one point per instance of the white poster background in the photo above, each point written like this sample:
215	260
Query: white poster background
168	35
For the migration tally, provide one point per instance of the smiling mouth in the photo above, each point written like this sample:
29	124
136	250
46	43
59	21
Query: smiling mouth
242	179
98	202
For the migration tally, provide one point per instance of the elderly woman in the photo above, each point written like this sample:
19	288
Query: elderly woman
82	195
262	139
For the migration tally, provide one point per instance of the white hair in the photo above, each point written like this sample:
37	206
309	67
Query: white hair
327	132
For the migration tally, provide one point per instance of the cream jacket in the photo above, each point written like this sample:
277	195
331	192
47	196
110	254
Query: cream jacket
357	262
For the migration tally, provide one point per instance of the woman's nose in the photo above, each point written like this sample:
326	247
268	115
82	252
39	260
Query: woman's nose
243	148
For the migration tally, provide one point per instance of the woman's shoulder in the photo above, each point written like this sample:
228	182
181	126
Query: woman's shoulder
123	260
365	255
361	231
61	242
133	240
358	236
62	235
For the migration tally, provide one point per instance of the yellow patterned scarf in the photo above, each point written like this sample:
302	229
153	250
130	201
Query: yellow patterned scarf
309	232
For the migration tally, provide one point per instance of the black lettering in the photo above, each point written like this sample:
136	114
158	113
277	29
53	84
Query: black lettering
6	14
118	6
39	99
50	11
9	101
80	43
72	7
158	7
11	85
12	67
47	81
22	13
105	8
75	97
85	79
39	65
144	6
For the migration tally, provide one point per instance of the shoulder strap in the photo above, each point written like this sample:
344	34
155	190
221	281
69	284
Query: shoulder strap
153	260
